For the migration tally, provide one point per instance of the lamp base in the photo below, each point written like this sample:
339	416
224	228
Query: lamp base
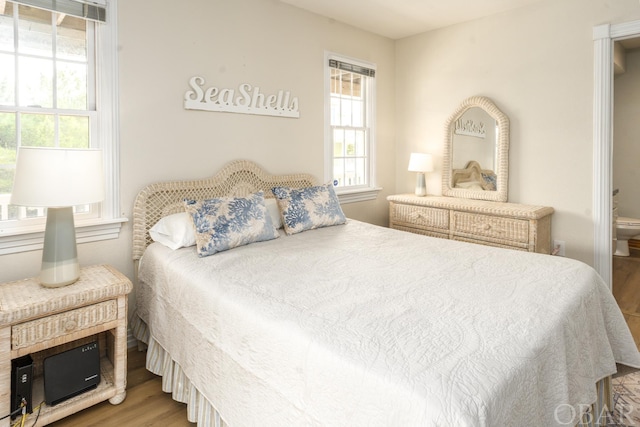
54	275
59	256
421	184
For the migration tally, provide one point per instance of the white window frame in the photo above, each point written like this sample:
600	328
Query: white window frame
354	194
108	224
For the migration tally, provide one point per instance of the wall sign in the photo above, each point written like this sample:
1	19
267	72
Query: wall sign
246	99
470	128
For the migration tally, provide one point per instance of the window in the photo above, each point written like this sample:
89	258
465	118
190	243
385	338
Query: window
350	149
50	59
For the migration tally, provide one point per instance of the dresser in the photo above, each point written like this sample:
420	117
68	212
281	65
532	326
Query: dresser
506	225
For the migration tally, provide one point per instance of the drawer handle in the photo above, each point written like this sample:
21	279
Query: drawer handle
415	215
486	227
70	325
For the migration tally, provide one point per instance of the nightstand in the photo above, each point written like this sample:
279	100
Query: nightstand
40	322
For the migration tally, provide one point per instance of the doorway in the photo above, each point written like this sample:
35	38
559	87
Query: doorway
622	273
604	37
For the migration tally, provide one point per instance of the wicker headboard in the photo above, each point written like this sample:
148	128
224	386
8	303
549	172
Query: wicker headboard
238	178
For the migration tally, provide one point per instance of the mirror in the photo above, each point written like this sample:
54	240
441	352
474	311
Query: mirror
476	152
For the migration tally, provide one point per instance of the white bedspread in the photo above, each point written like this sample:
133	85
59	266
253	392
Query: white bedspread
359	325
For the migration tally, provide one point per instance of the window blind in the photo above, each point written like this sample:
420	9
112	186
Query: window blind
91	10
334	63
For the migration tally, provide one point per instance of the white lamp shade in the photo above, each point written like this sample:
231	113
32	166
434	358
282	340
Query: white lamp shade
420	162
57	177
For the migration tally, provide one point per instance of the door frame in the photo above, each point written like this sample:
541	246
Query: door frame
603	38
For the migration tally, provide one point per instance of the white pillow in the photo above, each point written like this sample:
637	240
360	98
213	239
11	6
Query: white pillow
470	185
274	212
174	231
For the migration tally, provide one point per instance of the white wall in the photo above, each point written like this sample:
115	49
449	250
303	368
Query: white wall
626	136
536	64
265	43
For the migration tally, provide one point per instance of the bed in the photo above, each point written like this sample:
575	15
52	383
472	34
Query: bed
361	325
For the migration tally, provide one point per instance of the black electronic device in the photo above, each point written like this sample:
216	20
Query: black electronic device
71	373
21	383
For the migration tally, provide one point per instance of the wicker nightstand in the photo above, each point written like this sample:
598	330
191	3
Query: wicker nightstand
43	321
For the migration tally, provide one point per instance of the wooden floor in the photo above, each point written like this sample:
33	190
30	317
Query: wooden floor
626	290
145	405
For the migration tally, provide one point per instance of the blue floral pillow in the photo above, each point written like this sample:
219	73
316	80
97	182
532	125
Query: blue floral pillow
308	208
229	222
490	181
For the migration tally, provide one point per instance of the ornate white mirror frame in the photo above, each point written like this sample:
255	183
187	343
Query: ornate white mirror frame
502	153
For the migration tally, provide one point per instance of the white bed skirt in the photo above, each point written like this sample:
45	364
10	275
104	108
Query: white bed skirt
174	380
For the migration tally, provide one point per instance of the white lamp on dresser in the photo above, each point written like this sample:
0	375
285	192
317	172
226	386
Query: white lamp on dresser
420	163
58	179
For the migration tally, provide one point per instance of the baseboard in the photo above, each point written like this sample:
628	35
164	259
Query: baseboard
634	244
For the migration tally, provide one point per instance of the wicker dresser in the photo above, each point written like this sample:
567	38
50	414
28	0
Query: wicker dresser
507	225
40	322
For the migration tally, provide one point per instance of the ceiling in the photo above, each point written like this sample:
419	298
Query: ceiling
629	44
401	18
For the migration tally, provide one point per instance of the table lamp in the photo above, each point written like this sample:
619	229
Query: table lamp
420	163
58	179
